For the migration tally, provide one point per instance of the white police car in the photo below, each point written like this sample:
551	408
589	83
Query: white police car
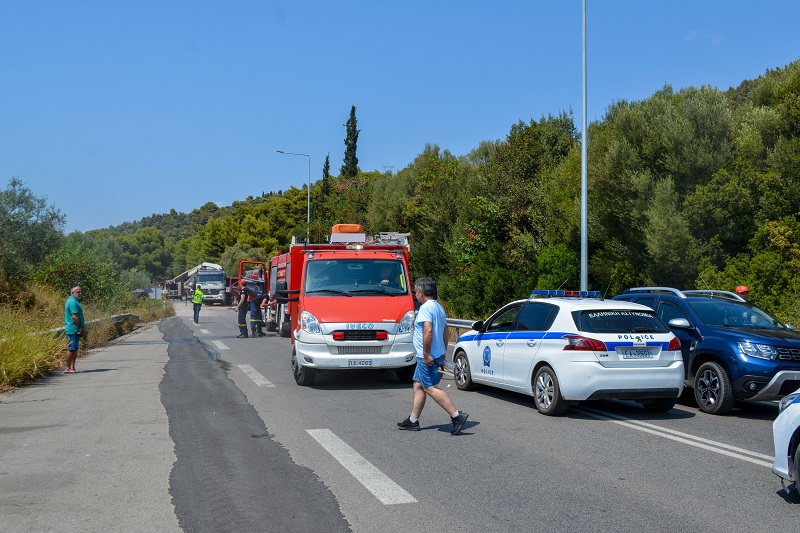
562	347
786	435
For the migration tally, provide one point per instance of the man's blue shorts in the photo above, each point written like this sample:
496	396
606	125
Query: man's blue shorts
74	341
428	376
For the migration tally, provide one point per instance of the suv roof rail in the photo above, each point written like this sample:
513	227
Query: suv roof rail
670	290
711	292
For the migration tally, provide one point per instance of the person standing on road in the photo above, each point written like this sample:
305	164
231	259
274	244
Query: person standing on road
242	307
430	342
74	327
197	303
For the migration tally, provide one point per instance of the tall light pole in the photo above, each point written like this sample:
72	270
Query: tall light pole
584	177
308	214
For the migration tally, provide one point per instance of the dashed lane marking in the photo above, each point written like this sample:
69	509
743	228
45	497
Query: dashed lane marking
204	331
375	481
257	378
220	345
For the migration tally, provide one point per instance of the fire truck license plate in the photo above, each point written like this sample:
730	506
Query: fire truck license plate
360	362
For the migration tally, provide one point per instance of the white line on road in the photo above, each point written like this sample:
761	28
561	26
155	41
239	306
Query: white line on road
375	481
220	345
257	378
204	331
686	438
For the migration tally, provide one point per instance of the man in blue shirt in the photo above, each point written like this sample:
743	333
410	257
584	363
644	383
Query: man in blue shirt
74	326
430	343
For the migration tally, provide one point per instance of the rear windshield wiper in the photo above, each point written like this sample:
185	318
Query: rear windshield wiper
338	291
644	329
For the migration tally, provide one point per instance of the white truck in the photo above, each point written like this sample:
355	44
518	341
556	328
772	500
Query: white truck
210	279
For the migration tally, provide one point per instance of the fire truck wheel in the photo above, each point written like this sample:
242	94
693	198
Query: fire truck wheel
406	374
284	325
303	376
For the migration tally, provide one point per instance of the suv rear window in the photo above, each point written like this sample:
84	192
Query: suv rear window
618	321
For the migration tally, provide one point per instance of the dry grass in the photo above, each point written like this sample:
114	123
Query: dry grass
29	349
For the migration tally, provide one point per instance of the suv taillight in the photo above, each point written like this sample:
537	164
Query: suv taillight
576	342
674	344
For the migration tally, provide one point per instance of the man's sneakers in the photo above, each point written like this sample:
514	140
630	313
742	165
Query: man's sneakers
242	336
408	424
458	422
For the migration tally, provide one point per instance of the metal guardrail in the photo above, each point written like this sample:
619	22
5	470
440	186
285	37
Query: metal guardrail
458	324
114	319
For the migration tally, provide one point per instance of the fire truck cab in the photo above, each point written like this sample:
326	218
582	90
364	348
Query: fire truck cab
346	304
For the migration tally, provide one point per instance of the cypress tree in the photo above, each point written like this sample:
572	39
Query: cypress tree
350	166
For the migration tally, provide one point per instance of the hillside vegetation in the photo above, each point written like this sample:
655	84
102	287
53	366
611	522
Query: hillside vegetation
693	188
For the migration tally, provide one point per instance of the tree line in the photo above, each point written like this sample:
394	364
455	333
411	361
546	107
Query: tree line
695	188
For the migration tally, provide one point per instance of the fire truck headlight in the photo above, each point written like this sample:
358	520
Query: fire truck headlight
407	323
309	322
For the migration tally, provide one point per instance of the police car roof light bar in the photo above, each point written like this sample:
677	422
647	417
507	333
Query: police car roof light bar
565	294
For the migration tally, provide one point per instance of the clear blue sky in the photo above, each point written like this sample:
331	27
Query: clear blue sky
117	110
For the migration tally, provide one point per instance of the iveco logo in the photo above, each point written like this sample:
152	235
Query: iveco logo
360	325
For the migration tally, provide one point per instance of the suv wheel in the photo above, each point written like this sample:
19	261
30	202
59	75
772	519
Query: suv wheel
547	392
712	389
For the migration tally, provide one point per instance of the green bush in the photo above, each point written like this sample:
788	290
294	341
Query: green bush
75	265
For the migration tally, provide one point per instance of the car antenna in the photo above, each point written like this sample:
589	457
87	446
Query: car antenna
606	292
704	281
559	287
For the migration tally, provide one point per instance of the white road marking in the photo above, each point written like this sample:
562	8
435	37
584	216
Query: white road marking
220	345
685	438
375	481
257	378
204	331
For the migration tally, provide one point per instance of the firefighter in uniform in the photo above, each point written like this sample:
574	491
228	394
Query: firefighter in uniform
242	307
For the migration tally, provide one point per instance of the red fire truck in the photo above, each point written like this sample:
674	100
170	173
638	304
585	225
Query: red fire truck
346	304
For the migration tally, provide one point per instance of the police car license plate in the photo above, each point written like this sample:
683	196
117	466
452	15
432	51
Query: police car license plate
636	353
360	362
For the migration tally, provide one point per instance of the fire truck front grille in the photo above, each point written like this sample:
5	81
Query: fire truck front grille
359	350
360	335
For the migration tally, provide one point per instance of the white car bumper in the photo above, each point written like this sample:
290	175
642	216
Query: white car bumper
591	381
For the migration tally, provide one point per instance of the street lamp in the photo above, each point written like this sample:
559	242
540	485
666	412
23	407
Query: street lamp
308	214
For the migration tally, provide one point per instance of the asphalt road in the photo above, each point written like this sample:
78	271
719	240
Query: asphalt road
183	426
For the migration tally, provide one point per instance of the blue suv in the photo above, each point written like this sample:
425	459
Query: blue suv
731	348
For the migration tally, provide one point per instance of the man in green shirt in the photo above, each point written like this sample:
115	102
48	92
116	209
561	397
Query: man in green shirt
74	326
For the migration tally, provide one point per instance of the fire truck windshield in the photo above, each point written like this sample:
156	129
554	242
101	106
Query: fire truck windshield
356	277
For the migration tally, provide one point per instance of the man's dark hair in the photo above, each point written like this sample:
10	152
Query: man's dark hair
427	286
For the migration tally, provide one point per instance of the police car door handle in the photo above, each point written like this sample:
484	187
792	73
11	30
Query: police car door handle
531	343
499	342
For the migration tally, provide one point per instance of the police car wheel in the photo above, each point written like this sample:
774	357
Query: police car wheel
794	488
462	372
547	393
661	405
